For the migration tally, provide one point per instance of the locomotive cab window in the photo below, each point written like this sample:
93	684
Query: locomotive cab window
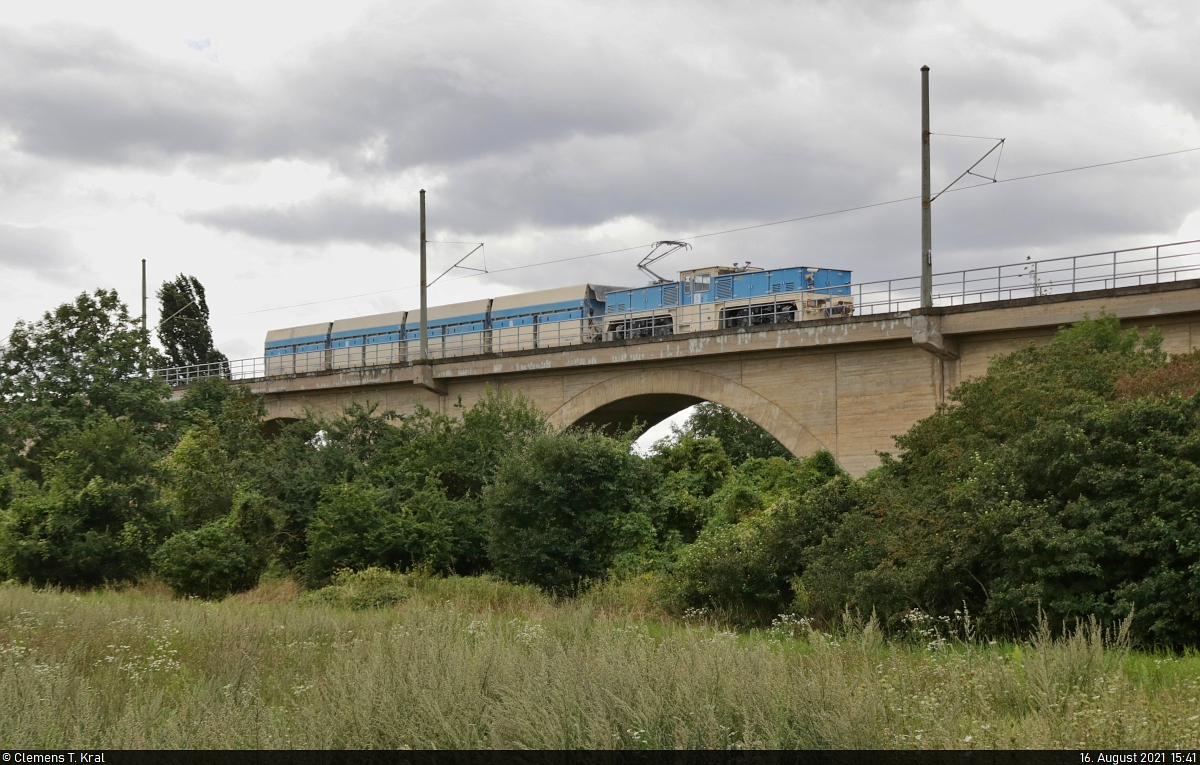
703	282
687	286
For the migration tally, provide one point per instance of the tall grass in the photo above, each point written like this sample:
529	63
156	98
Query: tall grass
462	663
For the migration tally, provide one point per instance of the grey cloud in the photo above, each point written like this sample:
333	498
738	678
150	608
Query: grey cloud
1165	66
44	252
560	118
318	221
85	95
437	91
442	91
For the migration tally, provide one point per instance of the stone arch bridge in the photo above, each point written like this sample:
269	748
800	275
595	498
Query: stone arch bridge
845	384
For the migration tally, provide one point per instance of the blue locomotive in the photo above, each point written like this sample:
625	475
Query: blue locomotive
718	297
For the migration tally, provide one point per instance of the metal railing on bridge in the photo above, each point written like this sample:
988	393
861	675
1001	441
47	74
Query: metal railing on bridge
1079	273
238	369
1033	278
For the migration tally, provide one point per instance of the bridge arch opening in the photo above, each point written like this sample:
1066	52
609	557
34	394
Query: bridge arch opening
651	396
649	409
274	426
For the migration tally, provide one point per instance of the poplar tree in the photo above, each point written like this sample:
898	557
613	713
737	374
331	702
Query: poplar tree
184	333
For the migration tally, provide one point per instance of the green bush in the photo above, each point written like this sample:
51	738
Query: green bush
310	456
759	482
210	562
568	508
460	453
373	587
358	525
350	530
691	469
420	477
236	412
746	559
199	481
94	518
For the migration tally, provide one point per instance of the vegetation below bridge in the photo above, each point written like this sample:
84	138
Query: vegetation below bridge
1061	486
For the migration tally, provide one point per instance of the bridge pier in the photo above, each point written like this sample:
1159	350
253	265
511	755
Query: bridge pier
424	377
927	334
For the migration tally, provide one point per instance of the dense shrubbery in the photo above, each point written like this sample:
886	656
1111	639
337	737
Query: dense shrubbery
94	516
371	587
1039	488
746	565
740	438
210	562
1065	481
568	508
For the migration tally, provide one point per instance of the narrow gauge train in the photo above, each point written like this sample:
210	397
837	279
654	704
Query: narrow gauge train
703	298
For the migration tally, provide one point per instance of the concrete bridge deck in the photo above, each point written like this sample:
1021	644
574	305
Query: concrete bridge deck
846	384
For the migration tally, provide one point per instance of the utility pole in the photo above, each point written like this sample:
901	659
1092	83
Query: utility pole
926	202
423	367
146	338
424	301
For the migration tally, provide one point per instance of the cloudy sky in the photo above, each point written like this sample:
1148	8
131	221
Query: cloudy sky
275	150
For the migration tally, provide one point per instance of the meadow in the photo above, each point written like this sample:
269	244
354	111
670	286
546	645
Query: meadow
427	662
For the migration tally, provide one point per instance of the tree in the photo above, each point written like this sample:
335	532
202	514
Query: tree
83	358
314	453
691	469
237	413
740	437
184	332
200	482
95	518
463	453
362	489
568	507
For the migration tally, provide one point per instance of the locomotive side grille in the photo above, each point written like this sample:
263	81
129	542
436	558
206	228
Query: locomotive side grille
671	294
724	289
